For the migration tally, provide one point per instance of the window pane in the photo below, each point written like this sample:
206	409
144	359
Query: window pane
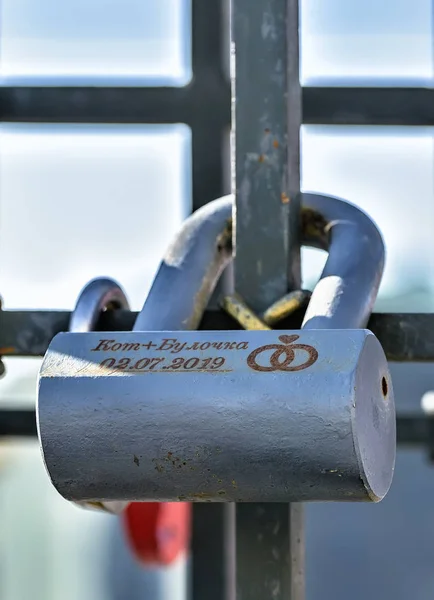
385	550
50	549
78	202
98	40
389	173
385	41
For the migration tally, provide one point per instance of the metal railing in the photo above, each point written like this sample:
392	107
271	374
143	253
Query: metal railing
205	106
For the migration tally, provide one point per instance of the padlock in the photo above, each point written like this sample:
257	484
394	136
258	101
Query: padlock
233	416
237	416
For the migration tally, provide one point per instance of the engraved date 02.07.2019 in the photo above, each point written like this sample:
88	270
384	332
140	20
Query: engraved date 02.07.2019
161	364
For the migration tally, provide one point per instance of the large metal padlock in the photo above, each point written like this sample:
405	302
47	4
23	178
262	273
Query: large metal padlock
232	416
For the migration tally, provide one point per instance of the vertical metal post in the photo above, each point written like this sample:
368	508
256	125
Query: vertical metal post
213	552
266	119
208	73
212	547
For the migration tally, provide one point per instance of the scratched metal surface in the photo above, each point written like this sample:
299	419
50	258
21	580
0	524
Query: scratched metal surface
245	416
266	148
189	270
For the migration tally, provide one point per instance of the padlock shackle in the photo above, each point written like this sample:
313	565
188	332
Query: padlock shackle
189	271
344	296
342	299
98	295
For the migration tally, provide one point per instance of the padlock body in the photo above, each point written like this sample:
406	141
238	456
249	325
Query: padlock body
242	416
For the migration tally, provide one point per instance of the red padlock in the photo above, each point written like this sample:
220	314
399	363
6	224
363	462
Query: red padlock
158	532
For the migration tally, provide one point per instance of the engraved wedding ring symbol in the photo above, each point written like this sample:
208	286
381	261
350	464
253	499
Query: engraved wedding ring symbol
283	355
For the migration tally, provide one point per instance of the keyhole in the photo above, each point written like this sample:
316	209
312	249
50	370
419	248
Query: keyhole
384	387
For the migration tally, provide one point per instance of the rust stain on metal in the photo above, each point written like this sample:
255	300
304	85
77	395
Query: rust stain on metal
285	306
261	158
8	350
238	310
275	143
224	240
284	198
201	495
170	459
314	227
204	496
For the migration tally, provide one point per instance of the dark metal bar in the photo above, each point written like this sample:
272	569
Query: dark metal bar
266	119
209	96
207	148
413	430
266	149
265	538
212	559
368	106
17	423
213	554
96	104
211	111
405	337
206	95
207	38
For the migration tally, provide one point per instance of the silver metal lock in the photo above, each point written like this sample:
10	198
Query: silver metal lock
229	416
222	416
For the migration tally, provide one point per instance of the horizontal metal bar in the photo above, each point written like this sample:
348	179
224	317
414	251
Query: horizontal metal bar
209	95
368	106
17	423
412	430
416	431
405	337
